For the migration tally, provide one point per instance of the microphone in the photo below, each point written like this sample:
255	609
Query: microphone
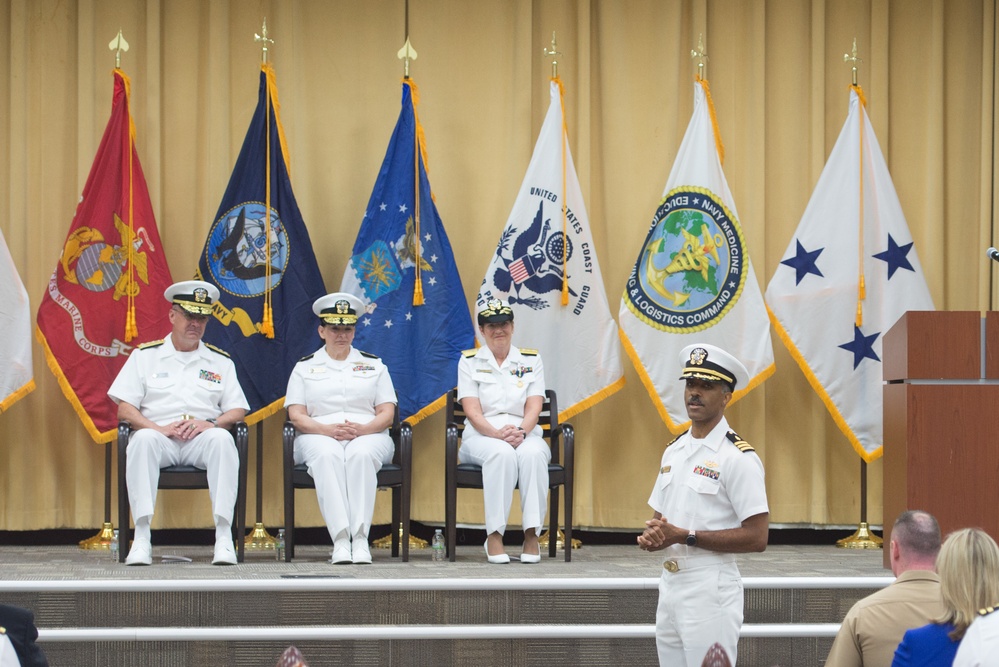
993	254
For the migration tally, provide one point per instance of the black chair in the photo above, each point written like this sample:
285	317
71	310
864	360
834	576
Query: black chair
469	475
182	477
396	475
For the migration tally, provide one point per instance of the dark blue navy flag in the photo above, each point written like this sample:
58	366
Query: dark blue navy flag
259	255
402	267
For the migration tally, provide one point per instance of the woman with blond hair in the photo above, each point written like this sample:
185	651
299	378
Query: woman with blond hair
968	565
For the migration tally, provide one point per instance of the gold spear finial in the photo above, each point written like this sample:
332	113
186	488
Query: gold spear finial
262	37
118	44
854	59
553	52
700	55
406	54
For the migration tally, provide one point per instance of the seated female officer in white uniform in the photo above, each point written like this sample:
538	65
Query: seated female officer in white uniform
342	403
502	391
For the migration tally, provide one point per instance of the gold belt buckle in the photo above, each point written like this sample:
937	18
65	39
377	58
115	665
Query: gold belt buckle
671	566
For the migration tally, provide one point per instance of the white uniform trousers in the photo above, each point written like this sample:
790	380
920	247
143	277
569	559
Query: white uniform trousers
504	468
212	450
346	476
698	606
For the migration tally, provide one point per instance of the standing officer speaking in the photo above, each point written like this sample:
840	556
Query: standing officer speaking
710	503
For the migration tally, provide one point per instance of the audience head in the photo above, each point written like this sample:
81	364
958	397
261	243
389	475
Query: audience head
915	542
968	565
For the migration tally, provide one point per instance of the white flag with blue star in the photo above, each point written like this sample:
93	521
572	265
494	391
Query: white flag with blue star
846	277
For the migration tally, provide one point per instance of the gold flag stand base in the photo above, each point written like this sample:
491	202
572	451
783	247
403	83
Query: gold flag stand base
101	540
386	542
862	539
559	541
259	539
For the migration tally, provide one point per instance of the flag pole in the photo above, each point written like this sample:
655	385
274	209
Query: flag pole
259	539
408	54
553	53
102	540
862	538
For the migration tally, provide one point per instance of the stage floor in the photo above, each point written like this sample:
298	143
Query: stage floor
52	563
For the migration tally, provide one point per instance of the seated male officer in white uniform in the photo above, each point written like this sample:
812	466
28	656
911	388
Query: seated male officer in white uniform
181	397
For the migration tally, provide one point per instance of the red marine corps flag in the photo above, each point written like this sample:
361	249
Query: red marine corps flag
106	292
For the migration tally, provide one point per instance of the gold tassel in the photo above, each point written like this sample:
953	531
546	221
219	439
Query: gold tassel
418	293
267	326
131	331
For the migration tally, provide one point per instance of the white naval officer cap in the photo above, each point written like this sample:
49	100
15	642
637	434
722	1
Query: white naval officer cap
338	308
708	362
194	296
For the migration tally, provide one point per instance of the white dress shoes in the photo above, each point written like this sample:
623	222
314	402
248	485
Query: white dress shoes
360	552
141	553
340	554
530	558
499	559
224	553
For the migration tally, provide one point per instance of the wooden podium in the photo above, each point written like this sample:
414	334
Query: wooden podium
941	420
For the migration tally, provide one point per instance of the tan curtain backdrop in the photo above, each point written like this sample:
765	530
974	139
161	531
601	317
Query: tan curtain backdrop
779	84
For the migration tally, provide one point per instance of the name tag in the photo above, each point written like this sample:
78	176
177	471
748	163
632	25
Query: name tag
317	369
484	370
161	375
664	470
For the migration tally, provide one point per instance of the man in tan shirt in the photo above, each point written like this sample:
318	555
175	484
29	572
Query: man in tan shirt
874	626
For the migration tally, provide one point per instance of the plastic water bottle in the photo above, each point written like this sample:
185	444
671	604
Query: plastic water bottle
113	547
439	548
279	546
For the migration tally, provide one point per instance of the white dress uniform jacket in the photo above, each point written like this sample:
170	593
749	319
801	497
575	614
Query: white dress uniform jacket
980	646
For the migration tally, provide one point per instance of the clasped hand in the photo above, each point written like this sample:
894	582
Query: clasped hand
512	435
185	429
345	431
655	537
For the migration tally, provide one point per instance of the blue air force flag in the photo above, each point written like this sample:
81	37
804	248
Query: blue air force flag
693	281
814	295
261	259
402	267
546	251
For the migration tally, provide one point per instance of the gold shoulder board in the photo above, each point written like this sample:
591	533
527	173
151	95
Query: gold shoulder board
528	352
739	442
676	438
986	611
152	343
469	353
217	349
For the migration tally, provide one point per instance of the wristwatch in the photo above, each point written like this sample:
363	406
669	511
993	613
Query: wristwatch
691	539
212	421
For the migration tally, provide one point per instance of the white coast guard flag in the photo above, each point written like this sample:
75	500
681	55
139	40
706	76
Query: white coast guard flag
693	281
813	296
16	374
547	238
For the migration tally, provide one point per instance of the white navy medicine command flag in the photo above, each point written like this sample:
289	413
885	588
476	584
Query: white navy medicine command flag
693	281
16	373
814	297
546	251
